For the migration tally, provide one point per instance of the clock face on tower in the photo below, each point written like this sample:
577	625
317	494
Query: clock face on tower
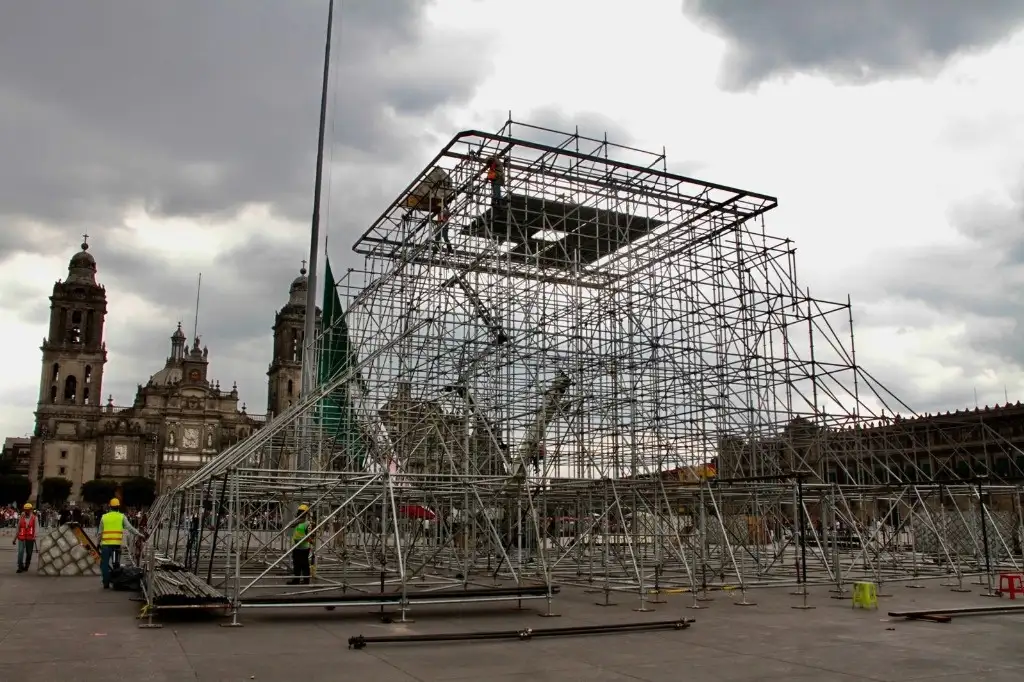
190	438
194	375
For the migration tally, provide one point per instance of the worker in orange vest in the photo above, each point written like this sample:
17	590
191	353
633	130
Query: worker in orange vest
495	176
26	538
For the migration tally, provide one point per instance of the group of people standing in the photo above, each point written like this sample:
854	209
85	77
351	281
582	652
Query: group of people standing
112	527
114	523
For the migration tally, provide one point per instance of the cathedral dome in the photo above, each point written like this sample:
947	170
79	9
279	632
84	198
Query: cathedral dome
82	267
83	259
168	376
298	289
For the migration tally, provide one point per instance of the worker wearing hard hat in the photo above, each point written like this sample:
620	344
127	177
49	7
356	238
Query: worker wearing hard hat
301	537
26	537
113	524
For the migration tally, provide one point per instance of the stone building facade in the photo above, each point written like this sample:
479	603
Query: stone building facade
17	455
945	447
179	419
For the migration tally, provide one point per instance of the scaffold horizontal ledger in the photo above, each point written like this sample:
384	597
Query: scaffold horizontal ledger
564	365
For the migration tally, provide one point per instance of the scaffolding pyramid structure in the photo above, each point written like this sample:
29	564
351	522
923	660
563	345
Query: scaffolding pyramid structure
566	365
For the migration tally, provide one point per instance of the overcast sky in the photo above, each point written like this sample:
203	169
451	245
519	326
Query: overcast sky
181	136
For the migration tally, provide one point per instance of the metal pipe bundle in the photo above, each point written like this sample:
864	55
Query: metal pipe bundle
181	588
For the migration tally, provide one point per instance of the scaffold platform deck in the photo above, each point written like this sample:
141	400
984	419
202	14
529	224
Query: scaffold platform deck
556	233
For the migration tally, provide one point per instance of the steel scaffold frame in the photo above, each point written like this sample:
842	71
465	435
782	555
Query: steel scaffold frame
541	370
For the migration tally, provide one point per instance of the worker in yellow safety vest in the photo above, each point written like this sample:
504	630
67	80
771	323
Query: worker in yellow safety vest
301	538
113	524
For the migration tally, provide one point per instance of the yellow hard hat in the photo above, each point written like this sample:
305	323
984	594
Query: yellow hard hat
28	506
115	502
303	507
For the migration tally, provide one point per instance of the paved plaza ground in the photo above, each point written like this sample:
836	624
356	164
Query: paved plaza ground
70	629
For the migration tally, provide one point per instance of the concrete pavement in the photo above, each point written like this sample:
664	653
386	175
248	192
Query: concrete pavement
70	629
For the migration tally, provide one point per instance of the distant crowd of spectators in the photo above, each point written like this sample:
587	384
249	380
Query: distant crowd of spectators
50	516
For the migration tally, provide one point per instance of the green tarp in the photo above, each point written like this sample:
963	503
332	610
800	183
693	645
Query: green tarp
337	413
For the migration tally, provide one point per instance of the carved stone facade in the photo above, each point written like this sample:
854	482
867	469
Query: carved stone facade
179	420
427	439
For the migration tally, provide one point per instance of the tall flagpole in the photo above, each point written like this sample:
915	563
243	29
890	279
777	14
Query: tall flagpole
195	324
309	334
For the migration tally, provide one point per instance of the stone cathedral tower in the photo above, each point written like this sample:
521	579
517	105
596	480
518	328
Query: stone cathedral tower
71	383
285	372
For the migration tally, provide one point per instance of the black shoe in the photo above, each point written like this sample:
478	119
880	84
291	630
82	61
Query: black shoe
20	570
305	581
106	586
293	581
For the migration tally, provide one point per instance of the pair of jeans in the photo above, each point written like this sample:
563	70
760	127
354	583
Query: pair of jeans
25	549
110	558
300	563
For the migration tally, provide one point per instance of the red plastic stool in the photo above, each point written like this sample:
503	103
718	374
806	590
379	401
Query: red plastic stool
1011	583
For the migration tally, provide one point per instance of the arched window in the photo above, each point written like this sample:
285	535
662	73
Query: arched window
88	374
85	395
70	389
291	387
295	347
75	333
53	394
56	372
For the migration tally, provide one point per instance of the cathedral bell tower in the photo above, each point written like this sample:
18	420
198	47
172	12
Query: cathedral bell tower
285	372
195	364
71	381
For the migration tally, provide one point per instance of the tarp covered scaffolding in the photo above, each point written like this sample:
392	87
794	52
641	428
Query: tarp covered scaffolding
562	364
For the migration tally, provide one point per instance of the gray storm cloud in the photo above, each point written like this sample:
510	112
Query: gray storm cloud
197	109
858	41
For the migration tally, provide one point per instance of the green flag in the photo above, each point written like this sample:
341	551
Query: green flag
337	356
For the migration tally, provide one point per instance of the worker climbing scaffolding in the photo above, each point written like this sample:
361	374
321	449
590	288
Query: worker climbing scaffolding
443	234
